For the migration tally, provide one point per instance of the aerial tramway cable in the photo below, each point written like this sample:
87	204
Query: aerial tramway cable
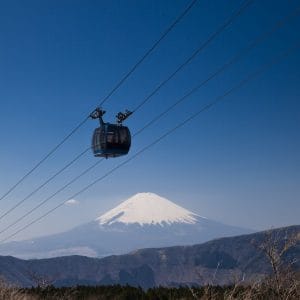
214	35
166	32
44	184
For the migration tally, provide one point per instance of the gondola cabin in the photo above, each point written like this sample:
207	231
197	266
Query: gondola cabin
111	140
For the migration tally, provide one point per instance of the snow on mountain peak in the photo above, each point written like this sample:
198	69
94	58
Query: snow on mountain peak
147	208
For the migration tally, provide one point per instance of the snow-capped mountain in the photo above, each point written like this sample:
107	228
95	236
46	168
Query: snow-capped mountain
144	220
148	209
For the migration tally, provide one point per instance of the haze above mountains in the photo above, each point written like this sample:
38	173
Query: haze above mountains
142	221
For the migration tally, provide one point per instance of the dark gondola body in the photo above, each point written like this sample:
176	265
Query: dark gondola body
111	140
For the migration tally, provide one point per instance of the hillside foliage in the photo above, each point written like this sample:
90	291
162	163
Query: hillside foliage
118	292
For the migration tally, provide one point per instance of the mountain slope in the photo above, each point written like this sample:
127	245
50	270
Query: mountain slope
144	220
218	261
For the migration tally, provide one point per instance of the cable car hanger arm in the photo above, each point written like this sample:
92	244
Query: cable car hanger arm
120	116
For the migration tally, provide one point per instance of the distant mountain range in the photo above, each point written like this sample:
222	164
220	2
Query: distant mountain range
220	261
144	220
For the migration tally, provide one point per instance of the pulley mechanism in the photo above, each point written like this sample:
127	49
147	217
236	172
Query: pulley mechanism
123	116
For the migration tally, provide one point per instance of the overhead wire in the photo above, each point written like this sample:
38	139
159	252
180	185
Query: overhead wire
220	70
177	20
53	195
43	159
117	86
43	184
261	38
230	20
203	45
243	82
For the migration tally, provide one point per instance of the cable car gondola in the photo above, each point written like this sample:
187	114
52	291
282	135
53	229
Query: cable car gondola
111	140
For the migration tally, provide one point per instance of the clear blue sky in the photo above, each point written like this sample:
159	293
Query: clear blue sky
238	163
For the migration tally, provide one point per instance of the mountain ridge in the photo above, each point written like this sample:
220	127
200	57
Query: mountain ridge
168	266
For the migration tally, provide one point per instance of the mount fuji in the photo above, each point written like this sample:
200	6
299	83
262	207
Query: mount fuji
144	220
147	209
